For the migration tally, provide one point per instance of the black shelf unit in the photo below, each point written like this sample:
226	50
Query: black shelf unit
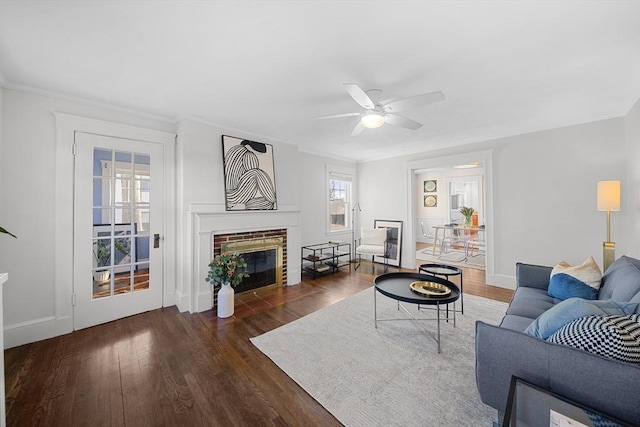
325	258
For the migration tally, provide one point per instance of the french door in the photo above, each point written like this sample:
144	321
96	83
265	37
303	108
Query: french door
118	219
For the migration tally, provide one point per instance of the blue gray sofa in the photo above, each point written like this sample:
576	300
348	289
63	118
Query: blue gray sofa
607	385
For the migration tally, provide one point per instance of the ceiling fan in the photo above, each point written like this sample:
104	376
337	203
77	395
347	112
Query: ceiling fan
378	112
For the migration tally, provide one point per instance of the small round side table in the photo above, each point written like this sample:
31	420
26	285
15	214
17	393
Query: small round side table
446	271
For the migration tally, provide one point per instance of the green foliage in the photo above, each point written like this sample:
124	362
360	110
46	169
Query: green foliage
2	230
466	211
102	251
227	267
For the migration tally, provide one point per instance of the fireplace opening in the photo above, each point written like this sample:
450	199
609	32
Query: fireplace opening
264	257
262	268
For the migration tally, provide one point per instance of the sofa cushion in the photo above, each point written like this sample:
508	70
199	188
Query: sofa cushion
621	281
530	302
573	308
614	337
581	281
515	323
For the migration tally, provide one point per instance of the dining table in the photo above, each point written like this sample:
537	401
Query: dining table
467	235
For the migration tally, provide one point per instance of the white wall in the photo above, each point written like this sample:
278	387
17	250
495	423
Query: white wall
543	192
314	198
28	188
632	135
1	139
300	185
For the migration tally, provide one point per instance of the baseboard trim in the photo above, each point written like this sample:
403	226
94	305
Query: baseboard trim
169	299
36	330
182	302
502	281
204	301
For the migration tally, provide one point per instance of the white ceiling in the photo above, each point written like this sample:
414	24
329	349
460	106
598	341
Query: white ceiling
267	68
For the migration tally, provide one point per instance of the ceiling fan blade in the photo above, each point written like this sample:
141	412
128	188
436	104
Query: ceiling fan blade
336	116
359	96
413	102
398	120
358	129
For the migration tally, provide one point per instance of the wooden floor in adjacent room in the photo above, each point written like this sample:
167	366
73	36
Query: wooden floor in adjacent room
169	368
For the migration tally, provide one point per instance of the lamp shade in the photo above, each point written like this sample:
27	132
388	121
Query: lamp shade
608	196
372	120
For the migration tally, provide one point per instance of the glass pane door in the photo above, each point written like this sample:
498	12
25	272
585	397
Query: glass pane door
121	217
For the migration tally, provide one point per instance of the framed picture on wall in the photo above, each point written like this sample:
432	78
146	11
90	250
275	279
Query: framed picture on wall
394	241
430	201
430	186
249	175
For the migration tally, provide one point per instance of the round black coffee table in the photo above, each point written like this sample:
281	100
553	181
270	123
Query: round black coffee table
397	286
446	271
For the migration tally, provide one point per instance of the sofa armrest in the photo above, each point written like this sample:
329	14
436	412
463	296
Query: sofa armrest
605	385
532	276
501	353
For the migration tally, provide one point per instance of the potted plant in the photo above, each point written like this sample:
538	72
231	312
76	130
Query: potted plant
467	212
228	270
102	255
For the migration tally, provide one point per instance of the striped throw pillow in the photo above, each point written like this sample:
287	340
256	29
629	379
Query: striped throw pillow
615	337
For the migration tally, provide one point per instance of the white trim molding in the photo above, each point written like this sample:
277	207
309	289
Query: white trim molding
66	127
204	221
485	157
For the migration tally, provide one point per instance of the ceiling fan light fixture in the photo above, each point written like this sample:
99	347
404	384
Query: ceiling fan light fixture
372	120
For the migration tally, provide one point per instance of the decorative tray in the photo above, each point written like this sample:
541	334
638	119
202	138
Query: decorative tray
430	289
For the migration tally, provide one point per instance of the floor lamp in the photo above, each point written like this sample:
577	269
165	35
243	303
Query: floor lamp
353	230
608	200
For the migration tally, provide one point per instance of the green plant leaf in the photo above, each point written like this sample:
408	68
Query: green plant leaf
2	230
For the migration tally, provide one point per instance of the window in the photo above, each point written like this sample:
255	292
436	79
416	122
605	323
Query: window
340	195
131	189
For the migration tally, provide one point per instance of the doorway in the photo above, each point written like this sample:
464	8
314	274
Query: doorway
430	204
118	224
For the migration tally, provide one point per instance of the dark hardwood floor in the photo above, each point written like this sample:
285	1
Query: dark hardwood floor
177	369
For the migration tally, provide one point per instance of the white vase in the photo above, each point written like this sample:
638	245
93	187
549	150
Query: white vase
225	301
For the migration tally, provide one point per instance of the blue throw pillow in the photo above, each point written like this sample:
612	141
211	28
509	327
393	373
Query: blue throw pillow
582	281
573	308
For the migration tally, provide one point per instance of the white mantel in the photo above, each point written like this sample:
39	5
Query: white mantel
205	220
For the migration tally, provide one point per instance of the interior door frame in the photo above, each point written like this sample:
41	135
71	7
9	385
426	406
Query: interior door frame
485	157
66	127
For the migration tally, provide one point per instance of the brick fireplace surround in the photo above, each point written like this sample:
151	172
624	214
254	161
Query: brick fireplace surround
221	239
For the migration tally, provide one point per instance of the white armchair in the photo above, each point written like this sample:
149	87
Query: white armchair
373	241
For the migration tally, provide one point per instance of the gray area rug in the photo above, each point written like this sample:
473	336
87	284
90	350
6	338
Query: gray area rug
390	376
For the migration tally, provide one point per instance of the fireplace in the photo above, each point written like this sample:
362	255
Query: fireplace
265	253
208	225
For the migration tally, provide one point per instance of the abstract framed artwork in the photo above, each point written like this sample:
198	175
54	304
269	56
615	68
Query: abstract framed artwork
249	175
394	241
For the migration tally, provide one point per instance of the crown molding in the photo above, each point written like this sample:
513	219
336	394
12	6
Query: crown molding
239	133
84	101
